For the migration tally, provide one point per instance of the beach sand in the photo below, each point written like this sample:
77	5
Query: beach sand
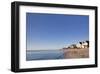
76	53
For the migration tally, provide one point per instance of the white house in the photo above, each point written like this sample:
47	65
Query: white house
78	45
84	44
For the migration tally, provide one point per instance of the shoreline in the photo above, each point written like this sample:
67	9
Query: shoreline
69	53
72	53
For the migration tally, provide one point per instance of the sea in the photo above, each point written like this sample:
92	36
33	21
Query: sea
44	54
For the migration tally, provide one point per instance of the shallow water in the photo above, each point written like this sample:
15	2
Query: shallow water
44	54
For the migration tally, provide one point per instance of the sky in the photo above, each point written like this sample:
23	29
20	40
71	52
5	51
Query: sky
55	31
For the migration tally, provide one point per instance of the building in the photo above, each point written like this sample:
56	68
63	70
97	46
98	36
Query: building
84	44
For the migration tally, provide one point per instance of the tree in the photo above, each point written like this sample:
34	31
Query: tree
87	42
74	46
80	43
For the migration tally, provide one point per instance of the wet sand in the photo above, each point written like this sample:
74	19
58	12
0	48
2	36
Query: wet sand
76	53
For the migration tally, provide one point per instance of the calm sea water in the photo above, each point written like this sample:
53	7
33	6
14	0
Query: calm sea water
44	54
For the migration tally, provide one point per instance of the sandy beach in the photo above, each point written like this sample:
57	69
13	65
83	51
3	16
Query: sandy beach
76	53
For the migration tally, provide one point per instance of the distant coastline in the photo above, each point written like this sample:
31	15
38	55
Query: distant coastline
80	50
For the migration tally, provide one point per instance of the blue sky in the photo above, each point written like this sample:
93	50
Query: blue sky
55	31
